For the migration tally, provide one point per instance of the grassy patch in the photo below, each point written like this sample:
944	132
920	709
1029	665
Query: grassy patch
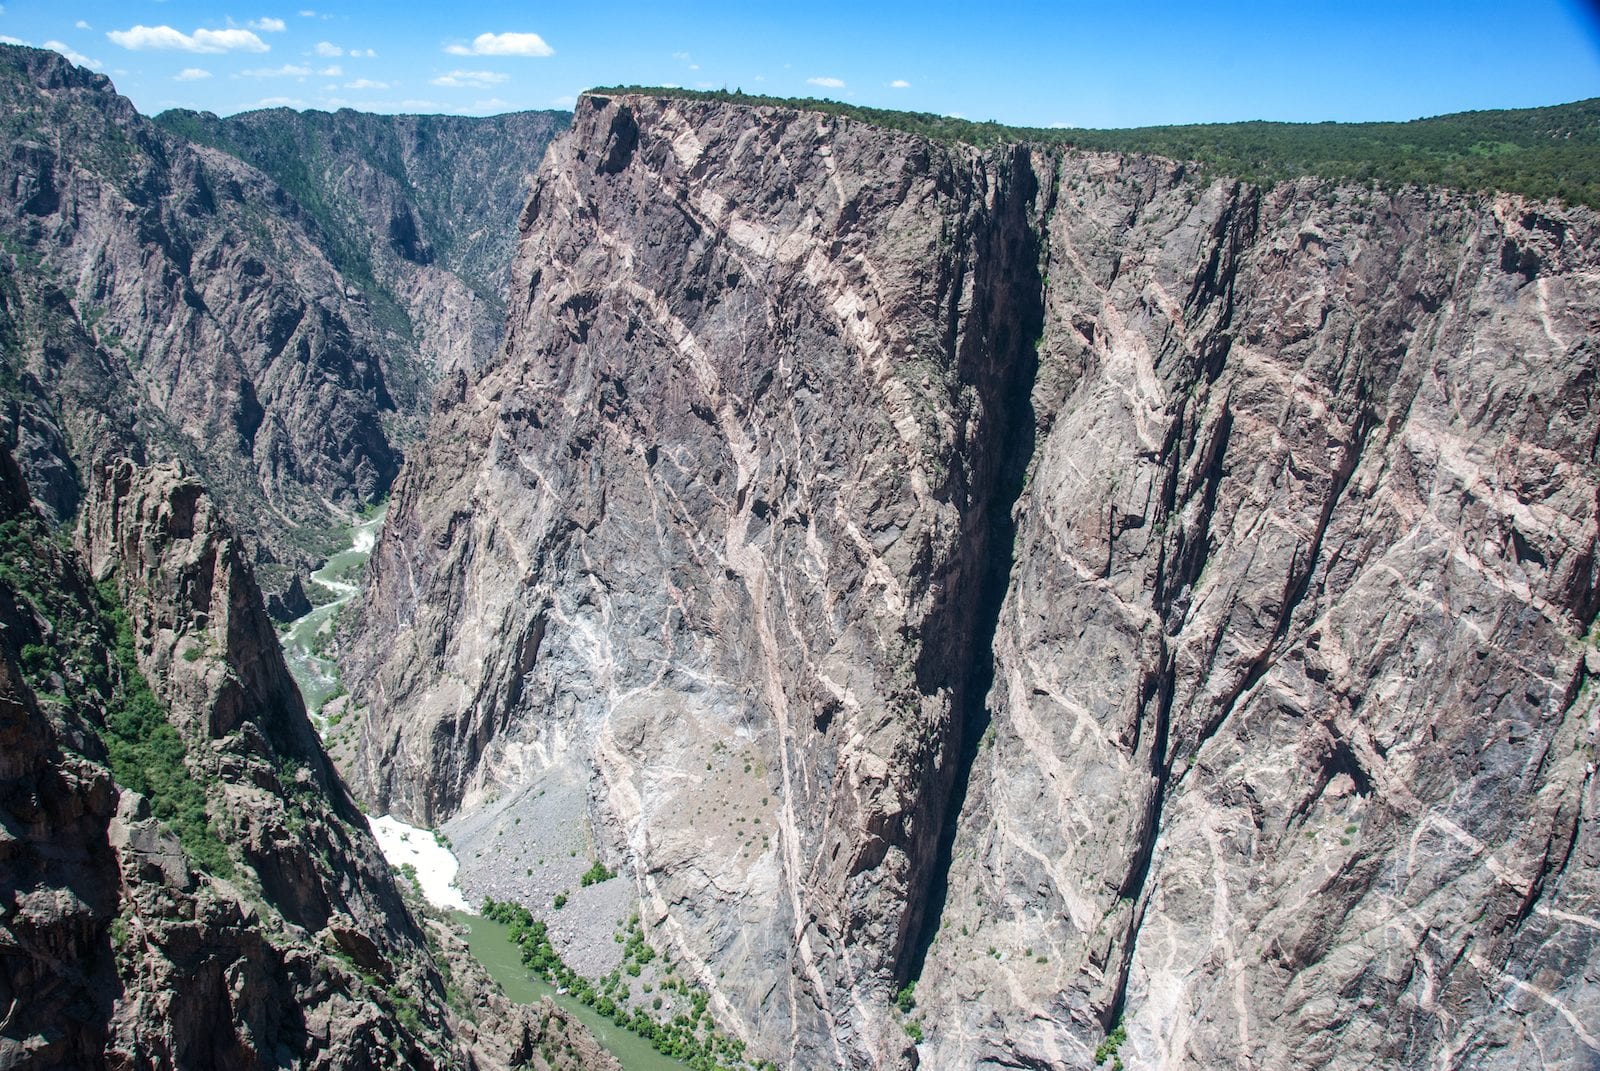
689	1036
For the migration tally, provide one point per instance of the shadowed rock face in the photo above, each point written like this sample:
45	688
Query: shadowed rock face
1096	594
418	211
167	301
116	949
163	300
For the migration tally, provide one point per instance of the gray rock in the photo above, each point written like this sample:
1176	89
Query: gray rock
1110	595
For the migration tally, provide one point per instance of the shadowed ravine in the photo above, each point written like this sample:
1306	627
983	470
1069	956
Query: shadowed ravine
1000	360
1071	582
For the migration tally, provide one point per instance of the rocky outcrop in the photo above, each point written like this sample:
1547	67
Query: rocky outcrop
237	913
1113	598
419	211
168	302
58	876
165	300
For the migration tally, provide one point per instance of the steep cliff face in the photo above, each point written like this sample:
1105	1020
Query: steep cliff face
712	515
1292	747
165	300
187	882
1093	594
418	211
58	874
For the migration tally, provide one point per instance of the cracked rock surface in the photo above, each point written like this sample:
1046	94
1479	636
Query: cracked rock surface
1099	594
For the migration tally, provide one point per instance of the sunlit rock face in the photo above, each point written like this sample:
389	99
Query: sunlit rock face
1100	594
166	300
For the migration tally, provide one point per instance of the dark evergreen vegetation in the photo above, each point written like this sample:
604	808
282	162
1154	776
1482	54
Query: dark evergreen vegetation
147	754
83	659
1549	152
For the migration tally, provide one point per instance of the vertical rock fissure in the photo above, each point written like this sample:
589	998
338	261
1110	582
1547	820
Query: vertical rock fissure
998	358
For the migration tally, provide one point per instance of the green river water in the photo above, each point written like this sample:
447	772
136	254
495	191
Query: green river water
490	942
318	677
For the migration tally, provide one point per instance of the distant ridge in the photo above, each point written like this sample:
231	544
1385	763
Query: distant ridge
1551	152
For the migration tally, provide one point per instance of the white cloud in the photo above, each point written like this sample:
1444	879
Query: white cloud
363	53
328	50
280	102
503	44
308	14
470	79
493	104
166	39
288	70
366	83
7	39
827	83
74	55
331	71
267	25
191	74
79	25
566	100
694	66
899	83
681	56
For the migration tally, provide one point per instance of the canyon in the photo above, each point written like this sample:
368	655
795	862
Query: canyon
1116	599
185	881
912	602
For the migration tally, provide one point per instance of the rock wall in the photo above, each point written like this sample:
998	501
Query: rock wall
58	873
123	946
165	300
168	301
1292	745
420	211
1101	596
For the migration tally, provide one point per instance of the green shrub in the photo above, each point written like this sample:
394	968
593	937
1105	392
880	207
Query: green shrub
38	661
147	754
1107	1049
596	874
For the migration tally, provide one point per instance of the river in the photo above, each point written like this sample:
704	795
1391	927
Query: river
318	678
305	637
490	942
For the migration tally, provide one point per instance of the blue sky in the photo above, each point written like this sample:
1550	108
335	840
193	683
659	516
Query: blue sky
1039	64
